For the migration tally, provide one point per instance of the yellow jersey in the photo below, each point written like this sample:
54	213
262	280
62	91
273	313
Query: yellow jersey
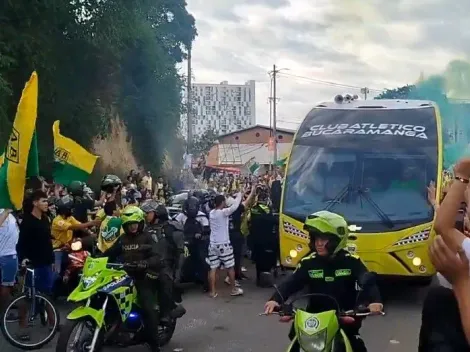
60	230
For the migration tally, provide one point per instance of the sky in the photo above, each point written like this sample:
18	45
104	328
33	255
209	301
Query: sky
327	47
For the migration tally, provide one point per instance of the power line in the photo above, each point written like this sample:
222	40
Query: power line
327	83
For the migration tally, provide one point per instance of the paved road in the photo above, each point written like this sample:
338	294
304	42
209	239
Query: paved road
227	324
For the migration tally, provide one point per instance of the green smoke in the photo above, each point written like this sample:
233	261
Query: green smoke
451	91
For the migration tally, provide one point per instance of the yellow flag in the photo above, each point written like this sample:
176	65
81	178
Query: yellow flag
72	162
15	160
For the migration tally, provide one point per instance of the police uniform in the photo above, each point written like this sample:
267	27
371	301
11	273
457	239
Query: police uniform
334	276
142	248
263	238
162	235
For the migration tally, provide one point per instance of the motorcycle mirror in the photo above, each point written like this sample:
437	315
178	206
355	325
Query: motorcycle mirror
367	280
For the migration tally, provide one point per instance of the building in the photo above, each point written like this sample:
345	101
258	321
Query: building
236	149
222	107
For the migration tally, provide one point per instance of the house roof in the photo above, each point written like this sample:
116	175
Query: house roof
283	130
240	154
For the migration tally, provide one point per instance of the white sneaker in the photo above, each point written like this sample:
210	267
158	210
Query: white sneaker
243	269
237	291
227	281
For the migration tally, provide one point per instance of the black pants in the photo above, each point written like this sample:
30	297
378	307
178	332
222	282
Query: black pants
165	285
264	258
441	327
146	292
236	239
198	266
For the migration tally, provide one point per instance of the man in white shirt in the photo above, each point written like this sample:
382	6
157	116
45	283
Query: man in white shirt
9	233
147	182
220	248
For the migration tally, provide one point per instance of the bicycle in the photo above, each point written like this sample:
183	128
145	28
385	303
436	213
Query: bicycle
40	309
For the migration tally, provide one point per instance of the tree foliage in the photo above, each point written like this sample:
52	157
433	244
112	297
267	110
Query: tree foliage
203	143
97	59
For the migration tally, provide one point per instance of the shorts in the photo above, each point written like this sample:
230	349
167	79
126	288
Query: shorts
221	254
8	270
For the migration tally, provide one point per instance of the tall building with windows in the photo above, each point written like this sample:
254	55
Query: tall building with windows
222	107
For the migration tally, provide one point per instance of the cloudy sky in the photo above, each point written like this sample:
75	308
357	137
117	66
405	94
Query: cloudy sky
356	43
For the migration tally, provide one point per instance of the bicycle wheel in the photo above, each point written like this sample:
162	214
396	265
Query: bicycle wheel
29	323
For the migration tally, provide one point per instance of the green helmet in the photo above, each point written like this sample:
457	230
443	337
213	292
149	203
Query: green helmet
328	224
132	215
75	188
109	182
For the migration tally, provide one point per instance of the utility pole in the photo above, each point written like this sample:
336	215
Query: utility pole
274	72
365	91
189	105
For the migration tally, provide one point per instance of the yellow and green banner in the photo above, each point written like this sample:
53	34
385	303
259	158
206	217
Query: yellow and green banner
20	159
72	162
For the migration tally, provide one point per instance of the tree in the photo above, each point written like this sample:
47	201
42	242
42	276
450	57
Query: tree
96	60
201	145
397	93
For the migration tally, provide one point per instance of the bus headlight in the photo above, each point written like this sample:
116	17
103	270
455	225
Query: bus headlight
313	343
293	253
416	261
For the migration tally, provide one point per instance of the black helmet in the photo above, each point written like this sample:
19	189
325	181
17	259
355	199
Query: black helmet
76	188
191	207
109	182
149	206
65	205
161	213
262	194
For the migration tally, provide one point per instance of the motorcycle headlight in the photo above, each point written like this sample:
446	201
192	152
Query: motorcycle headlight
313	343
88	281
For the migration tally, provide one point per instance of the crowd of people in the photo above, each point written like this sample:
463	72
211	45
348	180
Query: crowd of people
129	222
129	216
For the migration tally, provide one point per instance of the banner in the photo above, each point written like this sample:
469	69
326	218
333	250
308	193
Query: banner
71	161
21	152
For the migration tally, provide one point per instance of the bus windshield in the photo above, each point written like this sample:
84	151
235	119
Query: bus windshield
378	191
359	164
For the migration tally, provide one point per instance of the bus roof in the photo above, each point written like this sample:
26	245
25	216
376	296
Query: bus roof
392	104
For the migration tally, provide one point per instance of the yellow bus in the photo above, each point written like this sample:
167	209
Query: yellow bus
372	162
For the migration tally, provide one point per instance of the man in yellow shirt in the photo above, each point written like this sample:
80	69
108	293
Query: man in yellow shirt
62	229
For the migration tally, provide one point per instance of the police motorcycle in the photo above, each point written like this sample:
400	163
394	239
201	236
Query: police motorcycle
322	332
108	312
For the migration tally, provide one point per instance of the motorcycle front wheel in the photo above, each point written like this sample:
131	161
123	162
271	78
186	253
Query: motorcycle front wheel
77	336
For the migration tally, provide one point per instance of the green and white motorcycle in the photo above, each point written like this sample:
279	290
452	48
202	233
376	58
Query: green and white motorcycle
109	314
321	332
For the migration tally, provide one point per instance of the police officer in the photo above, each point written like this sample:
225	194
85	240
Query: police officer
170	243
263	236
329	270
141	256
196	232
82	203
